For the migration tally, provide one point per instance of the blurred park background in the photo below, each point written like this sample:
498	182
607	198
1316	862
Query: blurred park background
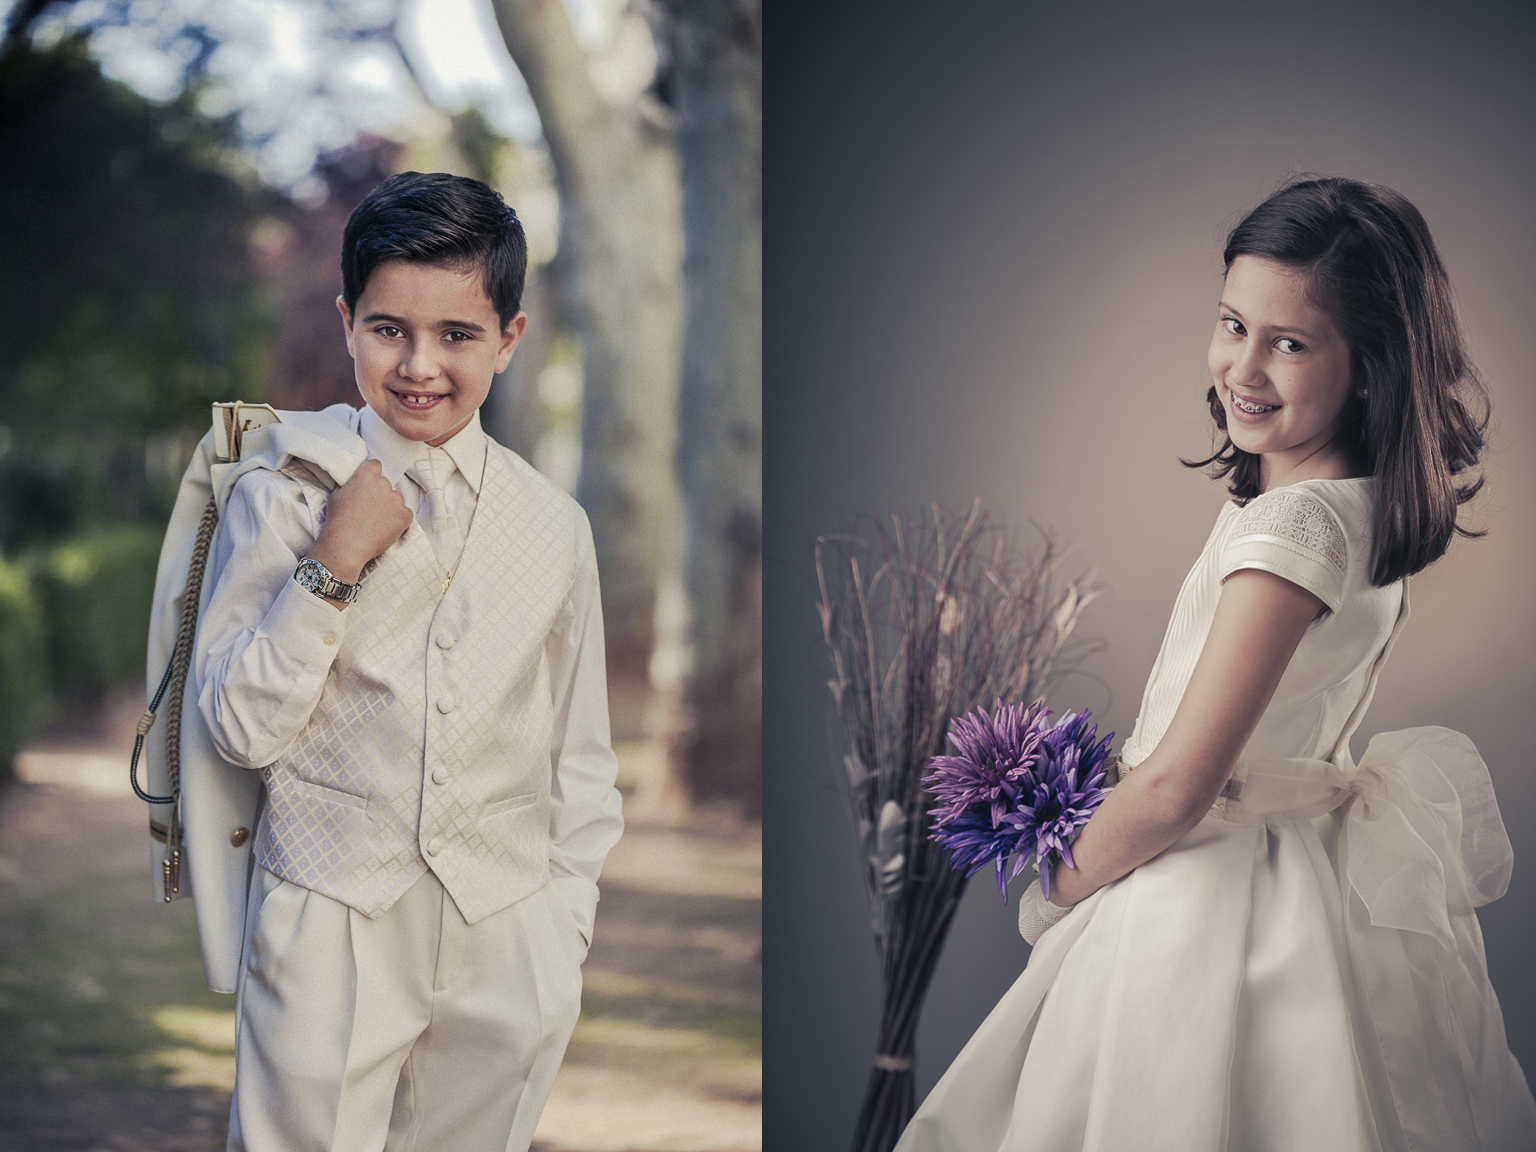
174	180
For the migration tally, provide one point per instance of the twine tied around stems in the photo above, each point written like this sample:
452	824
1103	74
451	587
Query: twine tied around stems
888	1063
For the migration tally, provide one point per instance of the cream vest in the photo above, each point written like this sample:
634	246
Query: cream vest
430	746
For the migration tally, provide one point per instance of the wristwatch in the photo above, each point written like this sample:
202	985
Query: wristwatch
313	576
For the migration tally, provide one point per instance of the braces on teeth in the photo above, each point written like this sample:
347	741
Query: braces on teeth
1253	408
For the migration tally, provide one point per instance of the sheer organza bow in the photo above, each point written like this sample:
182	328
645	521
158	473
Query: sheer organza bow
1422	837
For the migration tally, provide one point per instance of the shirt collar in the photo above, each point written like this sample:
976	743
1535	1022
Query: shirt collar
466	448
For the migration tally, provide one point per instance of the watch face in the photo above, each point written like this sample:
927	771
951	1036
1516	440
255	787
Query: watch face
310	575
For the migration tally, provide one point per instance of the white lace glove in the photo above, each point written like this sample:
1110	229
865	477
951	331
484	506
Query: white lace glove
1037	914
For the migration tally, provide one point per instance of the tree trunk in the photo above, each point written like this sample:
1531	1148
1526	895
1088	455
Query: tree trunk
716	748
512	414
616	169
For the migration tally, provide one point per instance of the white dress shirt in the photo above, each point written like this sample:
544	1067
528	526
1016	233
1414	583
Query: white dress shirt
271	642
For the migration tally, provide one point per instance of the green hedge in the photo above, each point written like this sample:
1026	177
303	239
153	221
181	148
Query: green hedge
95	589
24	674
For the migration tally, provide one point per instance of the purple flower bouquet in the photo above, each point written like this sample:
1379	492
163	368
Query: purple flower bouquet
1018	786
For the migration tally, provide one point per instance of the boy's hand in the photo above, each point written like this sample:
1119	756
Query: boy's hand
362	518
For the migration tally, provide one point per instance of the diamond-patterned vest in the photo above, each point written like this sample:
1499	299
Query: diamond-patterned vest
430	746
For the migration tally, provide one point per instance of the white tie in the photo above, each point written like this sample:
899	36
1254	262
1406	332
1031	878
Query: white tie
430	473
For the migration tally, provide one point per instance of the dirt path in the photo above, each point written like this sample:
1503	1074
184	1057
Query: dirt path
109	1041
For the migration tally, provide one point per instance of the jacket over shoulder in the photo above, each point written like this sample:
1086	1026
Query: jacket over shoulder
220	804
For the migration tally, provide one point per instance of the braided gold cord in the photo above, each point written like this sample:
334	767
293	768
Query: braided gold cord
181	661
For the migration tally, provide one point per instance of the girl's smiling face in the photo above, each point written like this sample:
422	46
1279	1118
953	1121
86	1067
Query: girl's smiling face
1282	372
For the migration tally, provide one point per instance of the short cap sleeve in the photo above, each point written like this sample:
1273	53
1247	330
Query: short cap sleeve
1292	534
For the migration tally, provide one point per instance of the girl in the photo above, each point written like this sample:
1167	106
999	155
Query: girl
1271	947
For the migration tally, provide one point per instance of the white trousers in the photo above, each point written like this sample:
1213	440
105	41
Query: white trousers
412	1031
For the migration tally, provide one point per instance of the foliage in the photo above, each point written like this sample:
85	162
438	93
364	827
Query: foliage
480	144
127	297
23	678
96	589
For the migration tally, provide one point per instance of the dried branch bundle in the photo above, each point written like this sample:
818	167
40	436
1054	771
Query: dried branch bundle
925	620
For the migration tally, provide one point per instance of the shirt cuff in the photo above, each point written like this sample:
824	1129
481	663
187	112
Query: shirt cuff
304	626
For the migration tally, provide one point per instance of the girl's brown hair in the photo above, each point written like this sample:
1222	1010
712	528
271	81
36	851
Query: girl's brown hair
1368	260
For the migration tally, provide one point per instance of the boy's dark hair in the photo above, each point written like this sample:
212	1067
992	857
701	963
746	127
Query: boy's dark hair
1368	260
435	218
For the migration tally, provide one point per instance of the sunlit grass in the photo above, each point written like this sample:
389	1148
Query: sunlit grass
97	984
206	1054
613	1001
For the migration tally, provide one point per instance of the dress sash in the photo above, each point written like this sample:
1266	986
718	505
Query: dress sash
1422	835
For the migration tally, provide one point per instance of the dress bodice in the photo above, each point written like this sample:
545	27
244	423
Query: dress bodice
1317	534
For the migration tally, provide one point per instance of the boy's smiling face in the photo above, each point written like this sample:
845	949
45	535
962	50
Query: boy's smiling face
425	343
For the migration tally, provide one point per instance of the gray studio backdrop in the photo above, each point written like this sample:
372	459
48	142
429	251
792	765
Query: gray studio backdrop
994	239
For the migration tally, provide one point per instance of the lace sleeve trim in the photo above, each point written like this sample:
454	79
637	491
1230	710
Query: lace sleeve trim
1297	519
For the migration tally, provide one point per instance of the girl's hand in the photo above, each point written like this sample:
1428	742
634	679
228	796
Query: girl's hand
1259	621
1037	915
363	517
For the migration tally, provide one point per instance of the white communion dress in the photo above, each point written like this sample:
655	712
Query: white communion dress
1303	971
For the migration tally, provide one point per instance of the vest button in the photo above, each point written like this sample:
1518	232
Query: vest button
439	775
329	639
445	640
239	836
434	846
445	705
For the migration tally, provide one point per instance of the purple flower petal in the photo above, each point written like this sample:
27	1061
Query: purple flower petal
1017	787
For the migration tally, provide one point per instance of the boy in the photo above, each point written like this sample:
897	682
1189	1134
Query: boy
414	661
